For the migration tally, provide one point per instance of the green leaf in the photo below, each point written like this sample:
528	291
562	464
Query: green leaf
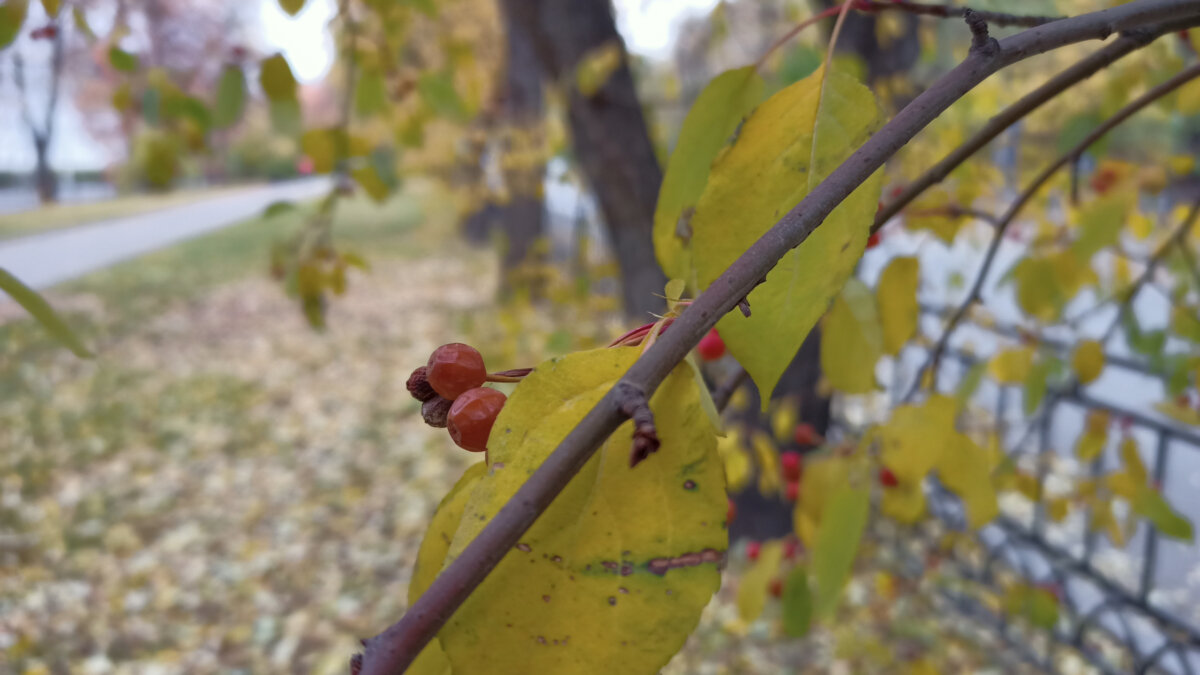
1100	224
370	93
797	604
41	310
81	24
851	340
783	150
623	556
1037	605
122	60
713	118
970	382
292	7
278	208
756	581
371	183
275	77
1151	505
12	17
231	97
836	546
286	117
963	469
1185	323
438	92
896	295
1037	380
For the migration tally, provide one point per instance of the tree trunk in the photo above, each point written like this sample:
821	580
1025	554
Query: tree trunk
522	218
609	135
44	176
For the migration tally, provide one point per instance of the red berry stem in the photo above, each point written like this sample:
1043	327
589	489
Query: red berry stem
514	375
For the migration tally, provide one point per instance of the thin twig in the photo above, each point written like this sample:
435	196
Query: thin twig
391	652
837	31
1028	194
1097	61
722	394
916	8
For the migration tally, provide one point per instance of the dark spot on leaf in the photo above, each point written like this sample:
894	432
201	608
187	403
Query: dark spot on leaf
609	565
689	485
623	590
524	547
498	465
541	640
612	600
545	598
556	559
626	569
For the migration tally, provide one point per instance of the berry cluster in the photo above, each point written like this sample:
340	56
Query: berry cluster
450	388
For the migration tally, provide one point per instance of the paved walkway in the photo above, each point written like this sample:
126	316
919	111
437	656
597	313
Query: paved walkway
43	260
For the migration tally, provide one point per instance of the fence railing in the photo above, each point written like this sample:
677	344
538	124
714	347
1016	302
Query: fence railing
1112	613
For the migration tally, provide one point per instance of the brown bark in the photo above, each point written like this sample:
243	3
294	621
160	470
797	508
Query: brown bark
609	136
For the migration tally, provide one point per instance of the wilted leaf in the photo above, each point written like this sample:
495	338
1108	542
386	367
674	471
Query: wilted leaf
851	340
837	545
897	298
783	150
622	555
41	310
710	122
231	97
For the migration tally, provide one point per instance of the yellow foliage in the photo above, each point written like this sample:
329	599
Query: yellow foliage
1088	360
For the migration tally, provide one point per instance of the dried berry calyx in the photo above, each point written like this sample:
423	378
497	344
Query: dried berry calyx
472	416
418	385
436	410
455	368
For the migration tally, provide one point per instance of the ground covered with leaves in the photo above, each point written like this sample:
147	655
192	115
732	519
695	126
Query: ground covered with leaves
225	490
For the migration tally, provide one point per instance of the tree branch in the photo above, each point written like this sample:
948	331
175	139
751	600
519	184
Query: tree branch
391	652
1028	194
1080	71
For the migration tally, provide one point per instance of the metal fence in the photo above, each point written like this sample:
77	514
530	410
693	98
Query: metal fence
1128	609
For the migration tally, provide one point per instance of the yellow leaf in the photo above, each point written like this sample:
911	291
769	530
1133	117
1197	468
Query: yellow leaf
275	77
851	342
755	583
913	440
1094	437
1132	459
432	660
770	475
904	503
596	66
739	468
784	149
1011	366
822	474
712	119
596	567
1187	102
896	296
1088	360
964	471
1181	164
784	418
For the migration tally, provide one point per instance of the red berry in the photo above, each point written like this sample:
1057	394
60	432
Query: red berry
793	491
873	240
711	346
791	547
472	416
776	588
455	368
753	548
806	434
730	513
793	465
887	478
